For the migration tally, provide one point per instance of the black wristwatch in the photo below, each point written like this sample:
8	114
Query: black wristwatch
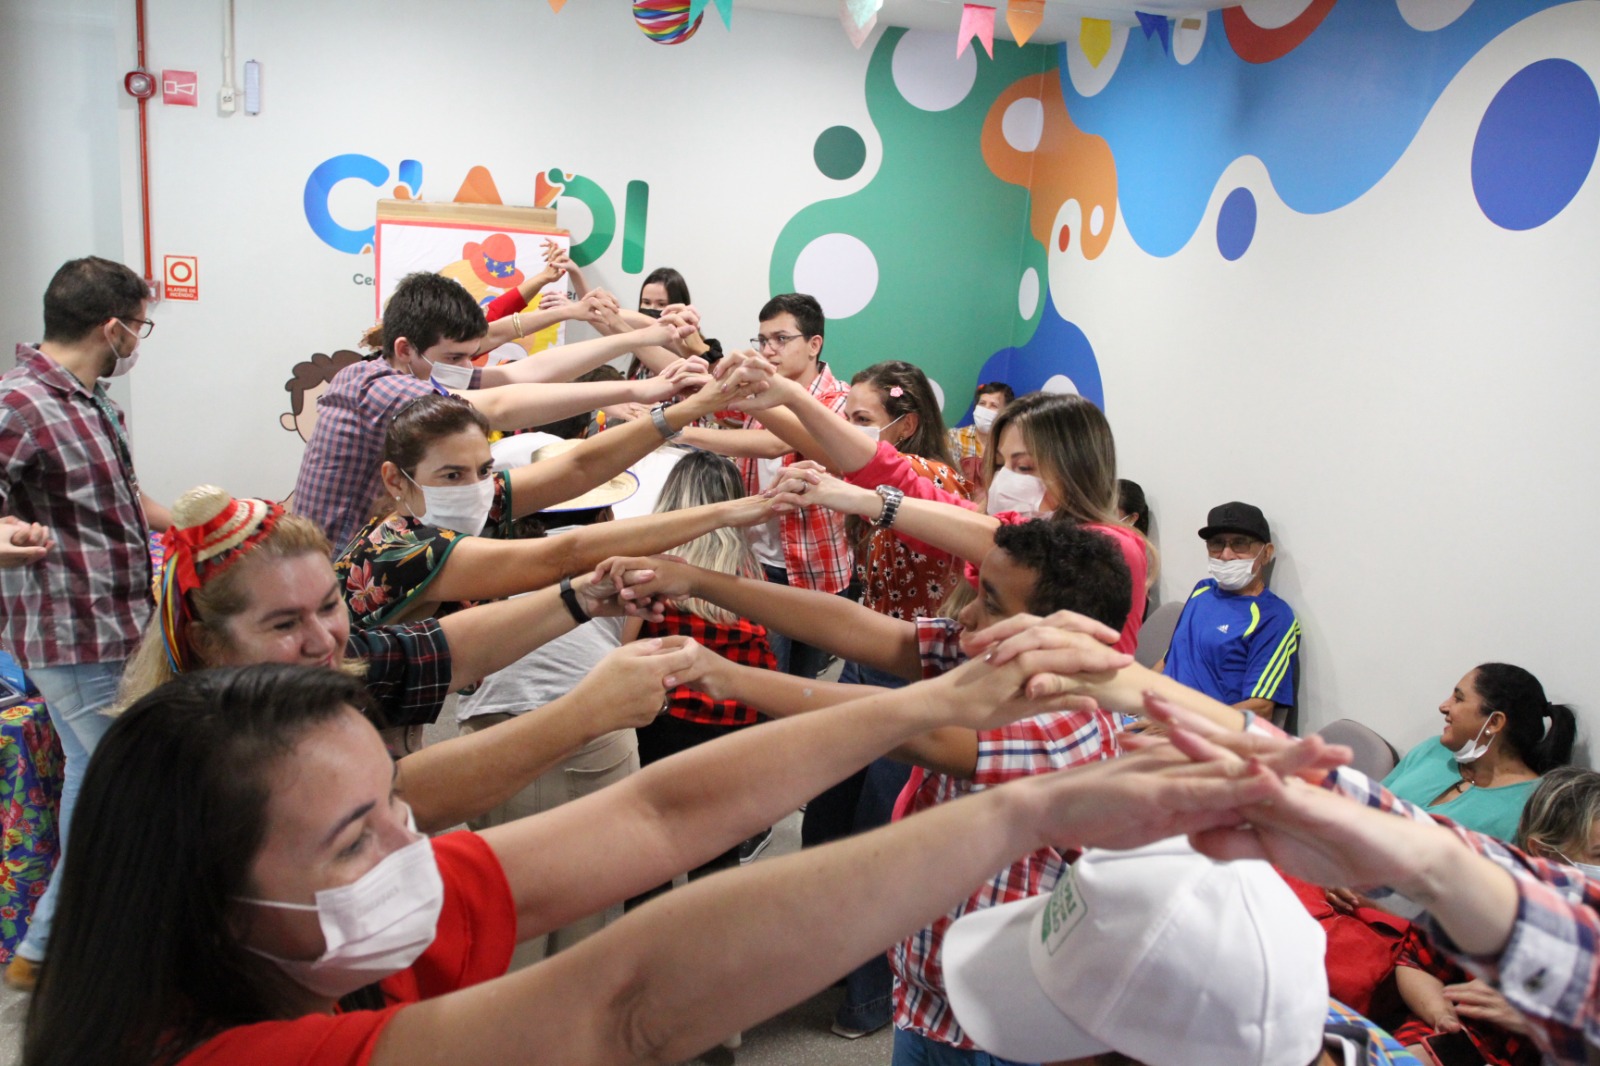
569	596
891	505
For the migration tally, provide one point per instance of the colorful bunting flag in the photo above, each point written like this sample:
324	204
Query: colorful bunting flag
862	11
1094	37
976	20
1159	25
557	5
1024	16
857	32
696	7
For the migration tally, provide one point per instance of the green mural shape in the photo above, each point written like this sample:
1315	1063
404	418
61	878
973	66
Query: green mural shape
951	240
635	215
592	196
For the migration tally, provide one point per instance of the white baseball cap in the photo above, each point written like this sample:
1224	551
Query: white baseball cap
1158	953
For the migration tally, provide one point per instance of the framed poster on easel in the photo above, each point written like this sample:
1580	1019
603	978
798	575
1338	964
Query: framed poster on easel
488	248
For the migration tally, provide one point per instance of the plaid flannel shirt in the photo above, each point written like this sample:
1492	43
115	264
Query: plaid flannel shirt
816	551
65	463
338	479
408	671
1035	745
1550	967
739	641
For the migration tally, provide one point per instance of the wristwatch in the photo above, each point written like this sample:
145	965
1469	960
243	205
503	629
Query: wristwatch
891	505
658	415
569	596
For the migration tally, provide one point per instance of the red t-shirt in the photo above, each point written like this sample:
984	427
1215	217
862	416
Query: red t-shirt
477	930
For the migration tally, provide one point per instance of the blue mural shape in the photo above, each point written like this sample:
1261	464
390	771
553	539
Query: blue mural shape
1329	119
1236	224
1536	144
1056	347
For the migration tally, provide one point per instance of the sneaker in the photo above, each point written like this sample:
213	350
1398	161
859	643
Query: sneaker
850	1033
752	848
22	974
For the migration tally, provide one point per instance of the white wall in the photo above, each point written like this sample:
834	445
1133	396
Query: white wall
1408	391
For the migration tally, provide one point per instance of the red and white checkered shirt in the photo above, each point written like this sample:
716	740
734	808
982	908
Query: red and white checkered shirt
1036	745
338	479
65	463
816	551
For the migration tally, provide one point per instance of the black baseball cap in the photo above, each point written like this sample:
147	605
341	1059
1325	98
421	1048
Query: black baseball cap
1237	517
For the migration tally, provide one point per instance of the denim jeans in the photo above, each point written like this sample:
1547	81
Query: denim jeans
801	660
75	696
914	1049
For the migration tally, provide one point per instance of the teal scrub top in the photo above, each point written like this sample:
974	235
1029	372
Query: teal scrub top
1429	769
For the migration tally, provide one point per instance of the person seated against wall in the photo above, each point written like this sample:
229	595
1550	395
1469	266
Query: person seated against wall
1236	640
243	582
968	443
252	815
448	538
432	328
1134	511
1560	823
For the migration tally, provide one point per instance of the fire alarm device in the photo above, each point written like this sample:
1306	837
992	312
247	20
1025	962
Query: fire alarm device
139	84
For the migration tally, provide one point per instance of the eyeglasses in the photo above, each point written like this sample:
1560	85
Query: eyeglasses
1242	545
146	326
777	340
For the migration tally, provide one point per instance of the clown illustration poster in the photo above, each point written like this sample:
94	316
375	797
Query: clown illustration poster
488	248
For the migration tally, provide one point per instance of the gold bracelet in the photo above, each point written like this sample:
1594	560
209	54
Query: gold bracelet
516	320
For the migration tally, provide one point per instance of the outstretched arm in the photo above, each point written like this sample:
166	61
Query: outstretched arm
524	405
820	619
466	776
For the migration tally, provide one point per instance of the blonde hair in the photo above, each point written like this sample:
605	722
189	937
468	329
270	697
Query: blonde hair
700	478
1074	454
217	601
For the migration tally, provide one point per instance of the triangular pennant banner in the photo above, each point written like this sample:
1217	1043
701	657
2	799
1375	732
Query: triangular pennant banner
1159	25
1094	37
557	5
697	8
858	34
1024	16
976	21
861	12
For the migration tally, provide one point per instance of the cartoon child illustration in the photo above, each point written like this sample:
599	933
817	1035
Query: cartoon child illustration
308	381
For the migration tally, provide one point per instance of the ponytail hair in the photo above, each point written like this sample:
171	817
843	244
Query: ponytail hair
1538	731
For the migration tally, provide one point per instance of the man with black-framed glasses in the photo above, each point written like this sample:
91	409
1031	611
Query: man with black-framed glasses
808	548
73	617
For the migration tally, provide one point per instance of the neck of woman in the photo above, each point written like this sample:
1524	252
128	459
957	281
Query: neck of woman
1498	766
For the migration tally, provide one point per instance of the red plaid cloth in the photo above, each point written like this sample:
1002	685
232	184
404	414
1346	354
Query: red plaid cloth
1497	1046
1037	745
338	477
65	463
738	641
408	670
816	551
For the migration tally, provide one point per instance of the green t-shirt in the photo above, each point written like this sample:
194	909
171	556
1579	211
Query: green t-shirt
1429	769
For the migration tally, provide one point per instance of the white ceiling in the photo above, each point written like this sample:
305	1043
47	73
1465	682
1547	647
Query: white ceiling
1061	17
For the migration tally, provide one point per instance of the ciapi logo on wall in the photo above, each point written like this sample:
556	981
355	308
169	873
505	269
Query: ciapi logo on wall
478	188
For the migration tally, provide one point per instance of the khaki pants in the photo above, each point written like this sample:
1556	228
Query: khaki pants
607	760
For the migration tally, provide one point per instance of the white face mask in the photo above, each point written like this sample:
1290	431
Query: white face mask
125	362
1472	750
1232	574
459	508
450	375
375	926
875	433
983	418
1011	491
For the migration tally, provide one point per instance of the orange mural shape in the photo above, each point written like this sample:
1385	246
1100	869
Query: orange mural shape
478	188
1068	164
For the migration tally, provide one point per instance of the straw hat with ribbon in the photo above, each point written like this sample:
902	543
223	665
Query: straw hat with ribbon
210	531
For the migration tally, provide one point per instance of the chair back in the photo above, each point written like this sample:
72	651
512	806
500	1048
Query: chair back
1374	756
1156	634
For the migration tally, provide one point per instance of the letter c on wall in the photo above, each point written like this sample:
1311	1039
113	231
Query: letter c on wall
319	186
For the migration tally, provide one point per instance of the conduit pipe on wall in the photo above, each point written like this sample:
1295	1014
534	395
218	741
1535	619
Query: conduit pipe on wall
144	149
